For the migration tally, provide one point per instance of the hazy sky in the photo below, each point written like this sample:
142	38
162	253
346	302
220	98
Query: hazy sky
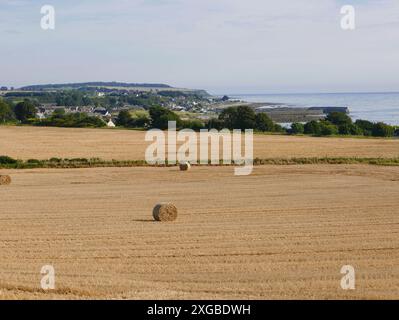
219	45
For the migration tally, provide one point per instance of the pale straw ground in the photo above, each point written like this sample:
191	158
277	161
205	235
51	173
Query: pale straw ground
282	232
44	143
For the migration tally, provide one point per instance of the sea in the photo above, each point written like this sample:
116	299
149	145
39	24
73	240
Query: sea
374	107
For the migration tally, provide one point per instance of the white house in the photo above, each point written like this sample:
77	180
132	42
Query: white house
40	115
110	124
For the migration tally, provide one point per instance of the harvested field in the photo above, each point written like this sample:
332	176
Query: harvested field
282	232
44	143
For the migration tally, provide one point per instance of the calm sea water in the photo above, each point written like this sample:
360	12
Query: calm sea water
369	106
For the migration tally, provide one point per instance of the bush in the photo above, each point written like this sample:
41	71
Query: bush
381	129
360	127
125	119
84	160
140	122
33	161
328	129
7	160
313	127
278	128
215	124
195	124
71	120
365	126
350	129
297	128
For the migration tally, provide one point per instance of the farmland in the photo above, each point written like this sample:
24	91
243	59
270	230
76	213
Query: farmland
283	232
44	143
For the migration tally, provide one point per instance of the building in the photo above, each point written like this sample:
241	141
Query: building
101	111
111	124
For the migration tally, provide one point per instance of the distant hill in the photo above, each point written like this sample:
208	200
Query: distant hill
109	86
113	84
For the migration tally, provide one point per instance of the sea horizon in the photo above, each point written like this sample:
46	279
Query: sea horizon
372	106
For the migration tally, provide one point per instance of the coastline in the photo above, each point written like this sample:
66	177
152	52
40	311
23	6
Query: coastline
375	107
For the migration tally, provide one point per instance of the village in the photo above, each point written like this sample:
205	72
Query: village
107	100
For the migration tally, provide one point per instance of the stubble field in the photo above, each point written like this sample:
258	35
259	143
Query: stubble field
283	232
44	143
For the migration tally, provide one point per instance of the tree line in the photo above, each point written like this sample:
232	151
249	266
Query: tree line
244	117
240	117
339	123
72	98
25	112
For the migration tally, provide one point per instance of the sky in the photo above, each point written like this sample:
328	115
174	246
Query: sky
223	46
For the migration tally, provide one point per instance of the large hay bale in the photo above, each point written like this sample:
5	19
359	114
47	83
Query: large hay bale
165	212
5	180
185	166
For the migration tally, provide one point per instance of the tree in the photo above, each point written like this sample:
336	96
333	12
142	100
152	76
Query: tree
241	117
161	116
229	117
141	121
25	110
7	160
297	128
381	129
312	127
6	113
124	118
328	129
72	120
356	131
214	123
339	118
365	126
351	129
245	118
264	123
194	124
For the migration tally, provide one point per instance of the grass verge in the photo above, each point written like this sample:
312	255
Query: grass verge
10	163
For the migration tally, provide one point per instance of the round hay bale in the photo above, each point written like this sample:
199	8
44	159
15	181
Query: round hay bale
165	212
5	180
185	166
